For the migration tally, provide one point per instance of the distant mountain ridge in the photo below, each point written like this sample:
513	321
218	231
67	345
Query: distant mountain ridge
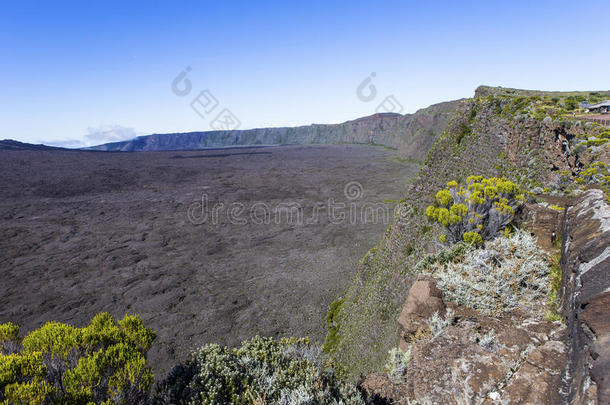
10	144
410	134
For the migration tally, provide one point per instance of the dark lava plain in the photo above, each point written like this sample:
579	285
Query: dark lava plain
84	232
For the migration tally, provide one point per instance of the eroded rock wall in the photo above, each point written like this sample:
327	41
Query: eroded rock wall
411	134
586	298
478	140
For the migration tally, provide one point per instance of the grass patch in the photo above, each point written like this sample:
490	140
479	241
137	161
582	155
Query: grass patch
383	146
332	338
406	160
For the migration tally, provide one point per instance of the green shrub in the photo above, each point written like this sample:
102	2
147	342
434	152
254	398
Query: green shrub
473	238
597	173
570	103
104	362
8	331
519	105
8	337
454	254
463	132
397	364
262	370
478	212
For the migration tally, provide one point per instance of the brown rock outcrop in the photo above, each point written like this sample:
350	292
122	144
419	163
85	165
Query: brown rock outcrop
516	358
538	380
544	222
423	301
379	389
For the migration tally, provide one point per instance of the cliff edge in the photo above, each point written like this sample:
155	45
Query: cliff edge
536	140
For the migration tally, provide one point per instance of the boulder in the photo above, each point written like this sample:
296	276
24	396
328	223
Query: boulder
379	389
423	301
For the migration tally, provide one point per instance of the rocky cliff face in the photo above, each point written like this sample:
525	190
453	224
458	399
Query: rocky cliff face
454	352
471	358
586	298
500	134
412	134
460	355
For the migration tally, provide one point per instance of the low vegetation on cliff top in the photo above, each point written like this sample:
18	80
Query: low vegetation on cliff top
104	362
509	272
260	371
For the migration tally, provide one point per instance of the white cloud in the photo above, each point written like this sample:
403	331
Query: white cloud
97	136
109	133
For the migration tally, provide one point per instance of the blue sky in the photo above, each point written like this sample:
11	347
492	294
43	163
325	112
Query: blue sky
81	73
